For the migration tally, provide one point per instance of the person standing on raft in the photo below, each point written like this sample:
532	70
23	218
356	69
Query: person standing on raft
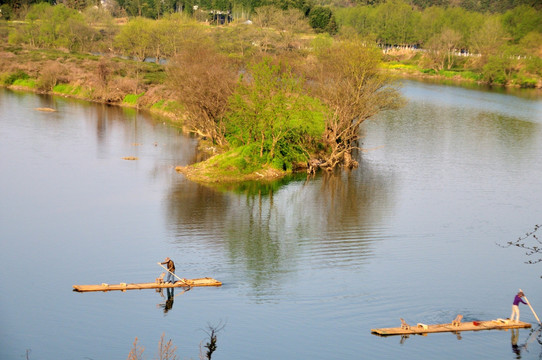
171	270
515	307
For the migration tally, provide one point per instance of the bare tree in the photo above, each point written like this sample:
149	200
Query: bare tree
530	243
203	80
347	77
211	344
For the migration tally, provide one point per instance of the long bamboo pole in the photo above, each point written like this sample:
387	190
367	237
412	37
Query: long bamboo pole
172	273
528	303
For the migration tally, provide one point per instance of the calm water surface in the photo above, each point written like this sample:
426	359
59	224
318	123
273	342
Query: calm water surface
308	267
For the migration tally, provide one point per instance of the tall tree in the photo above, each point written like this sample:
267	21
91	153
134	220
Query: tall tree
522	20
441	49
396	22
134	38
487	40
349	81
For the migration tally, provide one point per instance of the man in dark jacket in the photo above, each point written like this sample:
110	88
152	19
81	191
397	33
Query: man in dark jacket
171	270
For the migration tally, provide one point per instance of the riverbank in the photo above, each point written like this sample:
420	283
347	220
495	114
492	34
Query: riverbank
142	85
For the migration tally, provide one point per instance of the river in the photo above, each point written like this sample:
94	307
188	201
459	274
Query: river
309	266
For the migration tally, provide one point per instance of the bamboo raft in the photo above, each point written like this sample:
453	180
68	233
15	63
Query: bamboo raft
158	284
455	326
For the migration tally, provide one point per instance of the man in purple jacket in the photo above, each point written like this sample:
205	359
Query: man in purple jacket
515	307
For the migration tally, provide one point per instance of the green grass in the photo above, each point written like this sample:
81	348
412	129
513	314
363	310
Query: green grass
29	83
9	79
234	166
68	89
155	75
132	98
470	75
448	73
170	106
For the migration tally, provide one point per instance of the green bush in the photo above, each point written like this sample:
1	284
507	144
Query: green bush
6	12
534	65
18	75
525	82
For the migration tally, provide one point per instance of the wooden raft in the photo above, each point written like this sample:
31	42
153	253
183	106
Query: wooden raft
159	284
463	326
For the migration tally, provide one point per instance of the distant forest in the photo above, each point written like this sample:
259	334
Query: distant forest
240	8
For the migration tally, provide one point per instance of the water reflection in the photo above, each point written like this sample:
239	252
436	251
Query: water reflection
329	221
169	298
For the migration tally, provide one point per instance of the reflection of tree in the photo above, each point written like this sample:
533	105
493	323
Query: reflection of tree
327	221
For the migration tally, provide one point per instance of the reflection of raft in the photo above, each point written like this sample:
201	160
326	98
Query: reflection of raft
159	284
462	326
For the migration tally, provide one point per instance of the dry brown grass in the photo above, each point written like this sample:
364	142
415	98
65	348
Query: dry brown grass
51	74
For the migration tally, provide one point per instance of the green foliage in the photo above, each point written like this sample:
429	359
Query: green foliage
28	83
522	20
321	42
534	66
240	160
321	19
132	98
396	22
525	82
429	71
498	70
134	39
447	73
18	75
155	76
57	26
6	12
471	75
271	113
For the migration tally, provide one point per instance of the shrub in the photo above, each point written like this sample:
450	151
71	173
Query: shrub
49	76
525	82
18	75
